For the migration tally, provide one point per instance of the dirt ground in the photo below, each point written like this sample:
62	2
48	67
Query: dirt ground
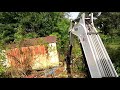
56	72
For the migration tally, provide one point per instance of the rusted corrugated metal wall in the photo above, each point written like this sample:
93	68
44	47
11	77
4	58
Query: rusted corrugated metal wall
25	55
33	52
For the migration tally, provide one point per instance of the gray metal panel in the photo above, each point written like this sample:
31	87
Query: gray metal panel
80	32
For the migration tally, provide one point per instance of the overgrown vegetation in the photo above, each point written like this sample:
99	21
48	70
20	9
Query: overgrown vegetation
78	66
17	26
113	48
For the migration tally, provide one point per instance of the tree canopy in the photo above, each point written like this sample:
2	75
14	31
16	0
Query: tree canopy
17	25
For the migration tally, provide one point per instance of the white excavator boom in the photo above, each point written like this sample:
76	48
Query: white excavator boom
97	58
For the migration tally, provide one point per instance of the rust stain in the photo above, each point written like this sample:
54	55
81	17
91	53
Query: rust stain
28	50
24	53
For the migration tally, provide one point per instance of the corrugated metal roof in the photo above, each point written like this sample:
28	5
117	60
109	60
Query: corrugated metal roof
50	39
34	41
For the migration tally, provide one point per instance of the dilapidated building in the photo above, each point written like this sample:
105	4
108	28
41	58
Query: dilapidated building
37	53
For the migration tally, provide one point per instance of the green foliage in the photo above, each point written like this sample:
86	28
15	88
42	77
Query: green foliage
6	33
77	59
108	22
16	25
114	53
2	63
62	35
19	34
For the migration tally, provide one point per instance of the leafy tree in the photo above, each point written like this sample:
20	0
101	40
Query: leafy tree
17	24
108	21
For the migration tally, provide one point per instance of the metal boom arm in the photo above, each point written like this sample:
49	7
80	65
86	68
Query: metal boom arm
97	58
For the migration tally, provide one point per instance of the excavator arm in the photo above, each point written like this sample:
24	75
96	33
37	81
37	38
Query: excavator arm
96	56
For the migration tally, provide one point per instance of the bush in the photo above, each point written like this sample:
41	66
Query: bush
114	53
78	65
2	63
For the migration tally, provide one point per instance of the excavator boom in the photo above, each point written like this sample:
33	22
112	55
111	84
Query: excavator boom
97	58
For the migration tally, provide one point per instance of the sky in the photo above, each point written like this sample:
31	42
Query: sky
73	15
